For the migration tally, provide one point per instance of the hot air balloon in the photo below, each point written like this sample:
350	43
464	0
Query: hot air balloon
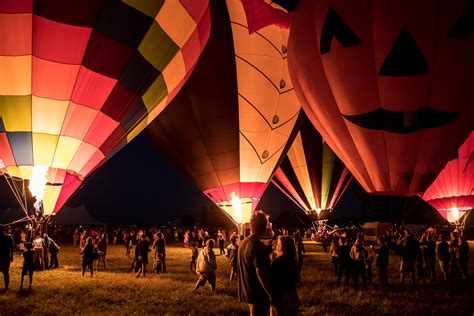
79	79
387	84
311	174
452	193
228	127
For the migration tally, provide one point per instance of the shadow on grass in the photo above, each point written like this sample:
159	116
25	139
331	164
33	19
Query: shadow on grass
24	292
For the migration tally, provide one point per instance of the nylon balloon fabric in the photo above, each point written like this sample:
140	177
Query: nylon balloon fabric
80	79
388	84
230	125
453	189
311	174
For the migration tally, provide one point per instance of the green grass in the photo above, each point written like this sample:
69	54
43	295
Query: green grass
64	291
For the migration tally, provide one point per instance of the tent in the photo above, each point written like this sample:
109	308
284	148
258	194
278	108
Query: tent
75	216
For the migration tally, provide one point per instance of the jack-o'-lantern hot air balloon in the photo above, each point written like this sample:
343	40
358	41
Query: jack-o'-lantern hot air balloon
452	193
311	175
228	127
388	84
79	79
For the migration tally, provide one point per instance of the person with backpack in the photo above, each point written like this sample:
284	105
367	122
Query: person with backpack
53	250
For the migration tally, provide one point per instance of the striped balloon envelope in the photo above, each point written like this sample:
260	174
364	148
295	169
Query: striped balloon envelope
452	193
79	79
311	175
229	126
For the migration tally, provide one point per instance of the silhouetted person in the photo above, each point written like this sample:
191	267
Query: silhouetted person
284	276
464	256
88	255
160	249
28	264
194	255
253	263
410	251
299	253
382	260
454	255
344	261
428	250
6	255
442	253
141	253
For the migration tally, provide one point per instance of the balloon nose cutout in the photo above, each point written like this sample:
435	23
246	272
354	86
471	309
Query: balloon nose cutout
405	58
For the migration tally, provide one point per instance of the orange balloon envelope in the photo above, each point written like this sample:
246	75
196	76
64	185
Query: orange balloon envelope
452	193
79	79
388	84
229	126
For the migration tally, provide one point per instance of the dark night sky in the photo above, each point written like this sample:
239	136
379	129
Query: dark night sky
139	185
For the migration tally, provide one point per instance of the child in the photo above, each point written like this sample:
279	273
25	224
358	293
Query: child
28	264
194	255
157	266
232	256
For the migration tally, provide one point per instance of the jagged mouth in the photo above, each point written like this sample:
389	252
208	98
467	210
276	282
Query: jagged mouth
403	122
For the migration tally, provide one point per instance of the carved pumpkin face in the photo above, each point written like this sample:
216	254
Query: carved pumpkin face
387	85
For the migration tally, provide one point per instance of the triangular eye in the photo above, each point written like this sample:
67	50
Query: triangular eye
464	24
405	58
334	26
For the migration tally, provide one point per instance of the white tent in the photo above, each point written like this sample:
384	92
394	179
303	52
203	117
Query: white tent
75	216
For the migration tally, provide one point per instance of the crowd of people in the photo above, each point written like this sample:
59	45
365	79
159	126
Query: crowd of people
352	258
266	275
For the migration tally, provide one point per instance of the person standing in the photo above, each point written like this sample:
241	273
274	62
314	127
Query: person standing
428	249
359	254
382	260
38	247
333	251
28	264
206	266
300	251
284	277
159	246
442	253
141	253
194	255
410	251
127	241
221	242
454	254
53	250
102	250
6	255
88	255
463	256
344	261
232	251
253	263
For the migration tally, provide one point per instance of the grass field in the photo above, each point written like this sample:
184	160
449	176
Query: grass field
64	291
